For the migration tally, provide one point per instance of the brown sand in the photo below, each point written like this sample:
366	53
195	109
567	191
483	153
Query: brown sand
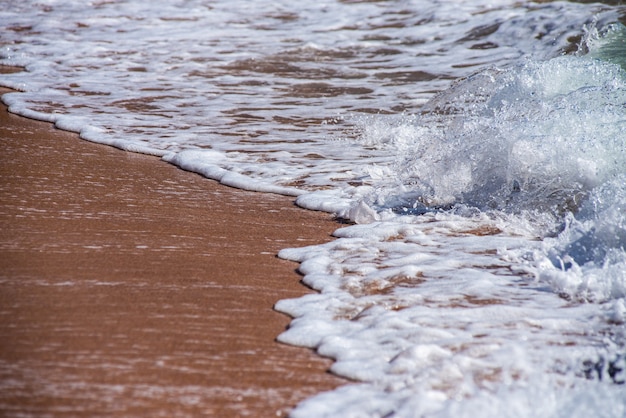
129	287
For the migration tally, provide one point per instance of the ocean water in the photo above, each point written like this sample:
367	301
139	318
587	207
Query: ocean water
476	149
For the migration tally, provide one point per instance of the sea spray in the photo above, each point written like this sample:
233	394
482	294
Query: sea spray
540	135
487	272
587	260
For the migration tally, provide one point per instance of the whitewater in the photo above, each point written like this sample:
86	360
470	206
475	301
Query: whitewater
475	150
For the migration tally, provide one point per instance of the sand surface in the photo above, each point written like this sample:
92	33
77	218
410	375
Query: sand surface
129	287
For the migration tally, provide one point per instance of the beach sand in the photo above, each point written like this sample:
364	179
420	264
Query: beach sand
129	287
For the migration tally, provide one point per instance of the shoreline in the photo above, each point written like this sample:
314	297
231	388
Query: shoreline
131	287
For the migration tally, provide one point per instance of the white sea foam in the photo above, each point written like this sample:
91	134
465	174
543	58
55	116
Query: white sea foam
432	314
540	134
587	260
480	157
436	312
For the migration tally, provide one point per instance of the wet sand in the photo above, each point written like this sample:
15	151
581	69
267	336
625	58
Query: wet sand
129	287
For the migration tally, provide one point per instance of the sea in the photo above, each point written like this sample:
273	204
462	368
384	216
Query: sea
472	152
